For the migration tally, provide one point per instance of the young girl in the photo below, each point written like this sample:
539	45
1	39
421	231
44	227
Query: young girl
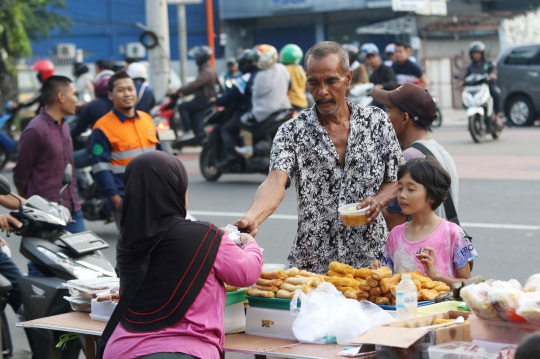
436	247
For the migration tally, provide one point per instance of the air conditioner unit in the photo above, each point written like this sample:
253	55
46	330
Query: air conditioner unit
66	51
136	50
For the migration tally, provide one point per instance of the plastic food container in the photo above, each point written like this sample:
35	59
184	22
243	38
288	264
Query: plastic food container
271	323
271	303
499	331
79	304
102	310
234	318
238	296
270	267
351	217
439	308
448	351
91	287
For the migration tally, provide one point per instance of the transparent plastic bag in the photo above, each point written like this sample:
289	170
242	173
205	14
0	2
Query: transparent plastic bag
533	283
504	297
529	308
476	297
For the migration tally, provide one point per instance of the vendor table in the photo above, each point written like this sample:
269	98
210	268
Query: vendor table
78	322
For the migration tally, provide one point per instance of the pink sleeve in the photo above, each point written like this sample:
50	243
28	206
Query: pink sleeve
237	267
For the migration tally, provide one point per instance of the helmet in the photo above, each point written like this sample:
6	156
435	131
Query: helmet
137	70
201	54
477	46
101	83
231	62
265	55
291	54
390	49
247	61
45	69
369	49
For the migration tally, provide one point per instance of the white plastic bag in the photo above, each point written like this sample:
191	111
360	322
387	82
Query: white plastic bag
533	283
326	317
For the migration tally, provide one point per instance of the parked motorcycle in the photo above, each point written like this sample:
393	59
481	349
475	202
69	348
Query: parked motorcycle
8	146
214	151
60	256
479	104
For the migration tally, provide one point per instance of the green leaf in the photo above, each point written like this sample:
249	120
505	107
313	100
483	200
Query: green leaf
64	338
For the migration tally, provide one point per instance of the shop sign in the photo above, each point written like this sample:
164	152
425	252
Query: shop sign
290	4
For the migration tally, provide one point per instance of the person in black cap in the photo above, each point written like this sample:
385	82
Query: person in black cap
412	110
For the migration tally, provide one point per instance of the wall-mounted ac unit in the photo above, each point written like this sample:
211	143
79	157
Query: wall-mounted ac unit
136	50
66	51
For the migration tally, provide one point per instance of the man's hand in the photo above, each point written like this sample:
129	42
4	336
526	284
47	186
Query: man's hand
248	224
5	220
375	207
117	201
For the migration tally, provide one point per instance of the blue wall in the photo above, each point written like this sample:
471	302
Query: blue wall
101	26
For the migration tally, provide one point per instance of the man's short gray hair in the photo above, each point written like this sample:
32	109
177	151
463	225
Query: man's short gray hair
325	48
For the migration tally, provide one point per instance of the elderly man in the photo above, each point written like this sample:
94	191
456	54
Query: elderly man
338	153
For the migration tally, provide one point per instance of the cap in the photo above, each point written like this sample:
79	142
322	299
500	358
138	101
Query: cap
410	98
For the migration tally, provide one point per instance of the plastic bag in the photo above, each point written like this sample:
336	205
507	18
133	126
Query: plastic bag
529	307
533	283
476	297
504	297
326	317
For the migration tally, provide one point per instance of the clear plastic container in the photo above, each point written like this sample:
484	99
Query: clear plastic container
102	310
234	318
351	217
451	351
406	298
89	288
499	331
79	304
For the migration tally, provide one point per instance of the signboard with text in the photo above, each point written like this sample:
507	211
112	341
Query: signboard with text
290	4
421	7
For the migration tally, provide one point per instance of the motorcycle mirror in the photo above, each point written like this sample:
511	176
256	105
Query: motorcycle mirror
68	175
5	186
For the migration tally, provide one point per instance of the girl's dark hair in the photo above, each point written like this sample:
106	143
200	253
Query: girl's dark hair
430	174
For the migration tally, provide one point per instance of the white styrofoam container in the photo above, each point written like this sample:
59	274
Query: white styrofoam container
102	310
273	323
234	318
447	351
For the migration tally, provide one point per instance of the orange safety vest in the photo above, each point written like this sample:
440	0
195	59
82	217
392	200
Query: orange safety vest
128	139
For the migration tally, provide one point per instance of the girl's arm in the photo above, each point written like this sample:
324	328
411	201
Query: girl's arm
428	260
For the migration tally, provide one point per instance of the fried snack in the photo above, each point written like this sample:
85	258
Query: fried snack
343	282
350	294
278	274
254	292
372	282
267	289
382	301
373	298
429	285
389	295
345	289
341	268
270	282
365	287
423	279
428	294
305	273
388	283
292	271
331	273
442	287
442	321
230	288
393	301
284	294
383	272
417	284
363	273
298	280
360	294
376	291
314	281
291	287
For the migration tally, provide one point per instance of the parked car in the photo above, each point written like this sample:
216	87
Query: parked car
519	80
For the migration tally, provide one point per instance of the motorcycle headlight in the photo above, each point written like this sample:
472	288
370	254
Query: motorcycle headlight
77	270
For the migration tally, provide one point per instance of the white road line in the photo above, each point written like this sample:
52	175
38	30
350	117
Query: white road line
294	218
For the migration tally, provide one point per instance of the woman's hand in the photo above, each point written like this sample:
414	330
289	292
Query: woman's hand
375	265
245	239
428	261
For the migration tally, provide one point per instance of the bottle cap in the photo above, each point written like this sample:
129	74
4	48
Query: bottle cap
406	276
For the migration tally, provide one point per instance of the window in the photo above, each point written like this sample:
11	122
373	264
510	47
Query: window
524	56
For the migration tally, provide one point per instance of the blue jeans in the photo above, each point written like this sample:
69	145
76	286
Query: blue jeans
77	227
9	269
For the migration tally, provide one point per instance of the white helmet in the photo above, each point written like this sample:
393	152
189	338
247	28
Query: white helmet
137	70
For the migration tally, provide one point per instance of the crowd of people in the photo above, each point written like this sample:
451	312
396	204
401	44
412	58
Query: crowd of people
337	152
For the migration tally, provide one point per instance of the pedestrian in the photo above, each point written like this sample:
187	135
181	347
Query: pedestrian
117	138
177	311
102	65
338	153
389	51
439	249
83	82
232	73
145	93
382	77
405	69
291	55
412	110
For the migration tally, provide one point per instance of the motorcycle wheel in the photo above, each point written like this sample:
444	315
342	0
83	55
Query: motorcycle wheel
477	128
438	120
208	165
4	156
496	134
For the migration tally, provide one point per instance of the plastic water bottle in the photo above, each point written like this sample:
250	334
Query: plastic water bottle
406	298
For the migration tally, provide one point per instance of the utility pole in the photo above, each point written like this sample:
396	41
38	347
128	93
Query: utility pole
210	30
182	36
157	21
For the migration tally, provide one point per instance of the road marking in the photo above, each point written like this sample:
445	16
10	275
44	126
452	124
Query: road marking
295	218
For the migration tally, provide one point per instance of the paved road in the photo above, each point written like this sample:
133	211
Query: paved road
499	202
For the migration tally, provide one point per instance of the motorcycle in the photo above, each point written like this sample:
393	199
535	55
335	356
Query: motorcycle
438	120
361	94
59	256
8	145
163	115
214	150
479	104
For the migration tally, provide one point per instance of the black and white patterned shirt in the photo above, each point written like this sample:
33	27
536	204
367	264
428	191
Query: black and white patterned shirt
303	149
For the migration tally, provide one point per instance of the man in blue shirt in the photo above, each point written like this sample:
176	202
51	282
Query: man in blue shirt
405	69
